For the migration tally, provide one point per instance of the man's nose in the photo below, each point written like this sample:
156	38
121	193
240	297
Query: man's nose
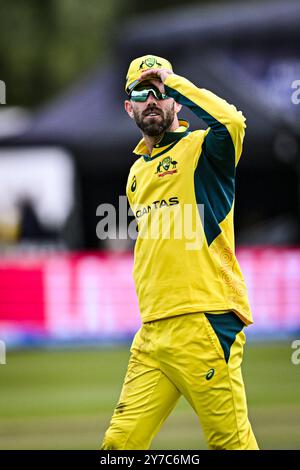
151	98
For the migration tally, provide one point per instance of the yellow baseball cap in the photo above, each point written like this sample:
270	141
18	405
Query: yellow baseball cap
143	63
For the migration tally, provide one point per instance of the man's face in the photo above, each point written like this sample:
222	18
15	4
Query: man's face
153	116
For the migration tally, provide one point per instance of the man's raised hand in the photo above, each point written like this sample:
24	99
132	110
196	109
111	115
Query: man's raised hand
162	74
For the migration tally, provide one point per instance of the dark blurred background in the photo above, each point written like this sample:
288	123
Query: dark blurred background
64	65
66	147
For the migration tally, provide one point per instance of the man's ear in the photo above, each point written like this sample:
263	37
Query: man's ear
128	108
177	107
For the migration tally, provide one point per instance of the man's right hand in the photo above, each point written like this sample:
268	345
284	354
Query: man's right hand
162	74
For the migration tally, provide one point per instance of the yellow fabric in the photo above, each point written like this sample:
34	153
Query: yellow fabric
180	129
173	357
143	63
174	275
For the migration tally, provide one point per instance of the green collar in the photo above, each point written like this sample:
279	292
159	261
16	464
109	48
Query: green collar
148	158
169	140
170	137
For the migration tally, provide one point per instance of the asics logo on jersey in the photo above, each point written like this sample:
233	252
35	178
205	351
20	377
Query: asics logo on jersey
133	184
210	374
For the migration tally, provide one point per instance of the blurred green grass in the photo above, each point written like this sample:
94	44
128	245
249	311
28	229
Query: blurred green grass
64	399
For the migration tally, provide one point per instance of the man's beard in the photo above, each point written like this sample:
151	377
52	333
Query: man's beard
154	126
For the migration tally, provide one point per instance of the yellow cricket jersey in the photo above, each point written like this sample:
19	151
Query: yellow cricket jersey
185	262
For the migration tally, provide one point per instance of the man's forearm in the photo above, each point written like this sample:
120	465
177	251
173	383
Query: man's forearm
225	122
205	104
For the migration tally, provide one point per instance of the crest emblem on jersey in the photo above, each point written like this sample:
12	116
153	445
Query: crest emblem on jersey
133	184
149	62
166	167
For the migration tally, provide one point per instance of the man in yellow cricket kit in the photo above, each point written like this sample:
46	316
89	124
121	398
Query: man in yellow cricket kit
191	292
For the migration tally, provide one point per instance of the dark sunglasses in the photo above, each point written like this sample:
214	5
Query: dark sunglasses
142	95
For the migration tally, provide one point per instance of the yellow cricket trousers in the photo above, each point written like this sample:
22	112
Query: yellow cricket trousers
197	355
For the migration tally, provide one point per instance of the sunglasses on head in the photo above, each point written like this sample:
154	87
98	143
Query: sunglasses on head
142	95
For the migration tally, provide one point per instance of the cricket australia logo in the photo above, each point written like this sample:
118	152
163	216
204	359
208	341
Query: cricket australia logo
163	168
150	62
